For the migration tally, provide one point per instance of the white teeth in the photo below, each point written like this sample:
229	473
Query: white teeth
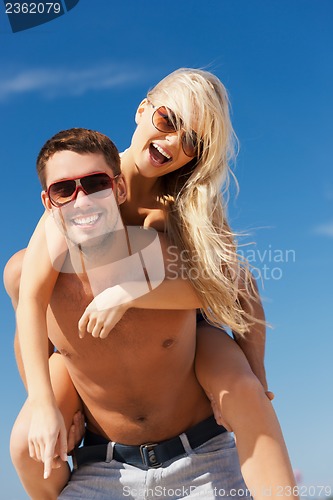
160	150
83	221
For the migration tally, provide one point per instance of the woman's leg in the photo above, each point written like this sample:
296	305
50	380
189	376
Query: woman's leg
241	405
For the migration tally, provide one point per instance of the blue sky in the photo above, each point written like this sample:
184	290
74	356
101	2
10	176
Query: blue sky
92	66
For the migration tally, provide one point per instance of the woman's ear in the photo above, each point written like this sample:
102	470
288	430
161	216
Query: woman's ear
46	200
140	110
121	190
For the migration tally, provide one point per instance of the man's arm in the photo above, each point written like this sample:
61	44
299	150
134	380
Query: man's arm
12	278
37	282
253	342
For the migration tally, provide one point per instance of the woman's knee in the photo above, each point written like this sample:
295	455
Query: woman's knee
12	276
225	374
246	386
19	449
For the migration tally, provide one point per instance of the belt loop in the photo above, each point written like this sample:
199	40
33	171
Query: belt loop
75	465
185	443
109	452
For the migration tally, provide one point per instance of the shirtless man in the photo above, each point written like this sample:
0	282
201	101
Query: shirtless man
139	385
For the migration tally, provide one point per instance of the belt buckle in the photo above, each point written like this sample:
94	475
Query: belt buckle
148	455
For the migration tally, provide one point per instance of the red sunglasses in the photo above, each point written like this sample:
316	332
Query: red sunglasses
62	192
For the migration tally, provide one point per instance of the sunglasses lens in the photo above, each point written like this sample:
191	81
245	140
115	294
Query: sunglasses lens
61	192
96	183
190	144
164	120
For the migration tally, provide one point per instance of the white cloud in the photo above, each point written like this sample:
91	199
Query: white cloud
51	82
325	229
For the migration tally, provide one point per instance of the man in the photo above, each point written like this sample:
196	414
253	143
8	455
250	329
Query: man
150	429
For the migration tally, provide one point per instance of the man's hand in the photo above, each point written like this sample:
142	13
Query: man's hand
76	432
47	438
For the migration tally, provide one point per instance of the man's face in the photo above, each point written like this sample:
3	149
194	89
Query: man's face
89	218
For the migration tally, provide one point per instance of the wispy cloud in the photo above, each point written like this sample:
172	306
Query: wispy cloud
325	229
52	82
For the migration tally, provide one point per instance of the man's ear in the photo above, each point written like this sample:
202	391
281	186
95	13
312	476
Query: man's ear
121	190
140	110
46	200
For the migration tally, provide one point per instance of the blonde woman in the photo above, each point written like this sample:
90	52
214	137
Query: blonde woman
175	170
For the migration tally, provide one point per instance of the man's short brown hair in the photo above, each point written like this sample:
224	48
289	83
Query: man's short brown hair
81	141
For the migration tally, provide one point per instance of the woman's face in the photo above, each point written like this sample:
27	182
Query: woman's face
156	153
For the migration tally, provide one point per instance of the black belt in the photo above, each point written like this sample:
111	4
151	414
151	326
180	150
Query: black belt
149	454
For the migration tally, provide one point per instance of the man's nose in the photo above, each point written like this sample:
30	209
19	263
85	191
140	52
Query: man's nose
82	199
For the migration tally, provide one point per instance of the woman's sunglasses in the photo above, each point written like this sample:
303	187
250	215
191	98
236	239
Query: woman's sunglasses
62	192
164	120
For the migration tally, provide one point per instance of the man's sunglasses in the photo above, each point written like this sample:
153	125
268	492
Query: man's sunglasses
62	192
164	120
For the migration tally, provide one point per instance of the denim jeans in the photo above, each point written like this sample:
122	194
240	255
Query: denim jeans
208	472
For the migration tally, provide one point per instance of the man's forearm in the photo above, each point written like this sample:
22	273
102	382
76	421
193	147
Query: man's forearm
253	346
253	341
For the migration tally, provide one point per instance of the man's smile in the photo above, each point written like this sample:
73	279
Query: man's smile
86	219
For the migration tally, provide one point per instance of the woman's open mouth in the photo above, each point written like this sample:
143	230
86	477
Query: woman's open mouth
158	154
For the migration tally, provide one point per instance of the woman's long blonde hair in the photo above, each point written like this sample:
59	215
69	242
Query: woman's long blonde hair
196	195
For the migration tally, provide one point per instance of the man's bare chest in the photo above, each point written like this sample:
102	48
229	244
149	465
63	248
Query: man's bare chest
138	330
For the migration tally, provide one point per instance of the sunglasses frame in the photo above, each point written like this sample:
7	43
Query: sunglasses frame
78	186
184	134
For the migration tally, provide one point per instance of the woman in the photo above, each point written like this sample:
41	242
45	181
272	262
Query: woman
175	169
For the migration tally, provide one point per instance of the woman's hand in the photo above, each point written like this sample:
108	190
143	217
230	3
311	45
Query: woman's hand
100	323
47	436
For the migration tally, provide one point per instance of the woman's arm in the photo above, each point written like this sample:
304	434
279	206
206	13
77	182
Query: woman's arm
108	307
37	283
176	292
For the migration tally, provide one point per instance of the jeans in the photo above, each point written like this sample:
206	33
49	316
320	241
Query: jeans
209	472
